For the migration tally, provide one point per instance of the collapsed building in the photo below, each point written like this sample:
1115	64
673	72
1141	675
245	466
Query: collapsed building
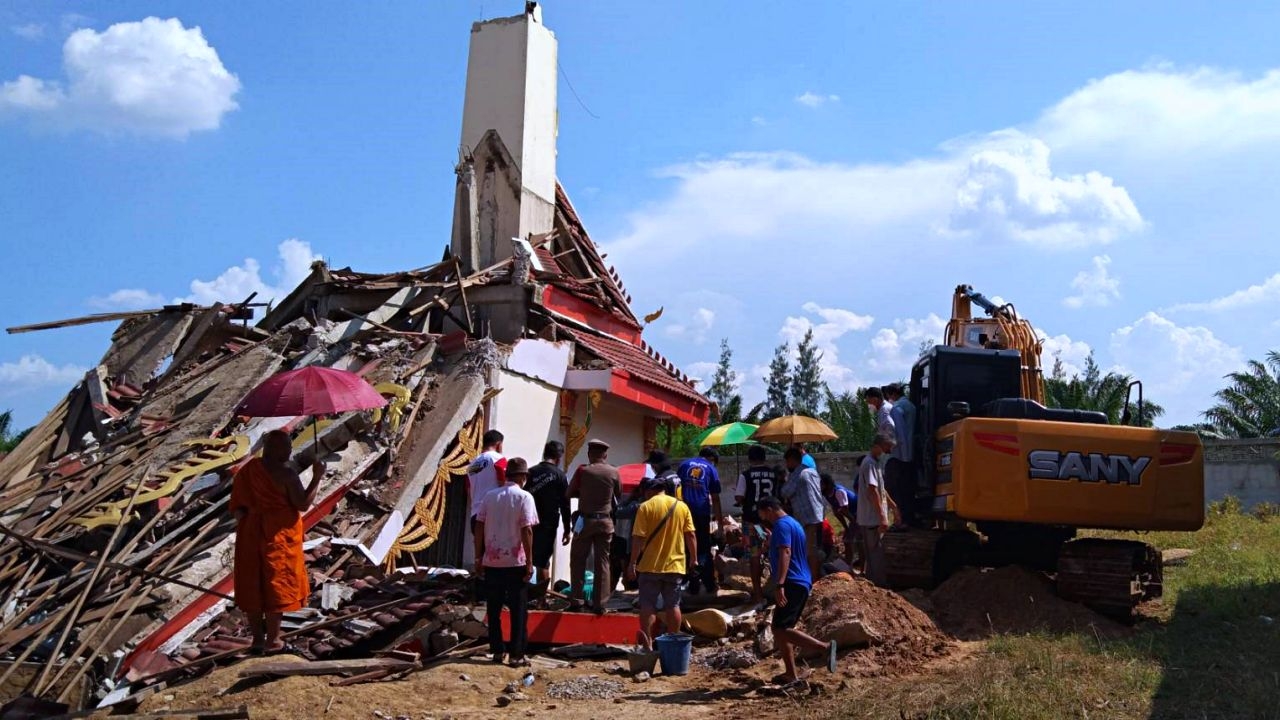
117	544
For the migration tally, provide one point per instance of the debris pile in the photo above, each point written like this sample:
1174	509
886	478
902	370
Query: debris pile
974	604
726	658
857	614
115	541
586	687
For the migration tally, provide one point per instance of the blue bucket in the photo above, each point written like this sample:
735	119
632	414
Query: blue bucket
674	651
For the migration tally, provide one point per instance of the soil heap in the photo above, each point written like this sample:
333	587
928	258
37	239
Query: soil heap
890	632
974	604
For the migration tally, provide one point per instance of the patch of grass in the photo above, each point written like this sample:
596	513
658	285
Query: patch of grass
1214	653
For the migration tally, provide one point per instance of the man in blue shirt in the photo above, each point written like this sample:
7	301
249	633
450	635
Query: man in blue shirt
805	458
899	471
700	490
790	565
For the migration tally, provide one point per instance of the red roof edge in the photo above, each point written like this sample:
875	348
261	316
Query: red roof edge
646	394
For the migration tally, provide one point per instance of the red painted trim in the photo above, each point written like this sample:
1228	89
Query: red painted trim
573	307
1176	453
997	442
646	394
566	628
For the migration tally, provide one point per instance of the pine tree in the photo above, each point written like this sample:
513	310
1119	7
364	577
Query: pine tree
806	382
723	384
777	400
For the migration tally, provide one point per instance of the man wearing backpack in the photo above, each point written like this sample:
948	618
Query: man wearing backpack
662	541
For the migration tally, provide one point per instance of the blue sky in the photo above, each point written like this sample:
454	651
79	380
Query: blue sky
756	169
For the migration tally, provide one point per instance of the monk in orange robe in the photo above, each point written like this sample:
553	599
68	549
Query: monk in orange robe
268	499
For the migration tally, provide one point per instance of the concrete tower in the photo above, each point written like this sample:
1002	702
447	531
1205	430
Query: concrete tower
511	90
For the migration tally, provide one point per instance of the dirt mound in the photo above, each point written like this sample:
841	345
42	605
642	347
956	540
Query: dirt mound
892	633
975	604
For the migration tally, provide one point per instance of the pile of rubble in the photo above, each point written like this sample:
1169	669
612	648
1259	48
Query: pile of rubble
115	540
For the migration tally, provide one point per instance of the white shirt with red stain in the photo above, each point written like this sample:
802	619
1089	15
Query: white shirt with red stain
505	512
487	472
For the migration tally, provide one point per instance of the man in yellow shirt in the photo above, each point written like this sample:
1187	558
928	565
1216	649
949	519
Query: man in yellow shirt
662	538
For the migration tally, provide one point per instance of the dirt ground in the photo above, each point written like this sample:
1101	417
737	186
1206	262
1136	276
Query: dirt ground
470	689
907	643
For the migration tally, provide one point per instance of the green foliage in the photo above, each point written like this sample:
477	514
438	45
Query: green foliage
806	382
1229	505
680	441
8	440
1094	390
777	400
723	384
1266	510
1209	649
1249	406
848	417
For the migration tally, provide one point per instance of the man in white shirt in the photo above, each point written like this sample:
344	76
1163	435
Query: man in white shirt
487	472
881	409
504	558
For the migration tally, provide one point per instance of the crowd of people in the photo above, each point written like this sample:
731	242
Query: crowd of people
659	540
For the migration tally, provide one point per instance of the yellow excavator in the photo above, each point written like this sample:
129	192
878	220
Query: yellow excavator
1002	479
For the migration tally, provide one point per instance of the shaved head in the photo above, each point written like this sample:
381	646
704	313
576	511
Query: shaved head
277	447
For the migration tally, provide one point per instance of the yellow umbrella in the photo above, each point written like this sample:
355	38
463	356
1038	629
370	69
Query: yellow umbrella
793	429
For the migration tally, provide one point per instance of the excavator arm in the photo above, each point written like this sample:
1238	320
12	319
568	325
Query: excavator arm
1001	329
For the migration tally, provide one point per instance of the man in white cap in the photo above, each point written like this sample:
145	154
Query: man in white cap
598	489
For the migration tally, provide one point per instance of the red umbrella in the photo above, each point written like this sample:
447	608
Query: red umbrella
310	391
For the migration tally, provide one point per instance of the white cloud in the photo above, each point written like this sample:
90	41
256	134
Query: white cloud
701	373
73	21
1181	367
746	204
811	99
696	329
128	299
758	121
1267	291
238	282
893	350
1161	112
1008	189
152	77
32	372
29	31
836	323
1095	286
1061	348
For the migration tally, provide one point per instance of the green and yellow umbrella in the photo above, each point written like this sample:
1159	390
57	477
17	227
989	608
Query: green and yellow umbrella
731	434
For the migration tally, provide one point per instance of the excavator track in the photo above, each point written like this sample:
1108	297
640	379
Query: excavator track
925	558
1110	576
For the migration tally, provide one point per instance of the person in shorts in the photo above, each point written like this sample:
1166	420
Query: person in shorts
790	566
662	540
758	480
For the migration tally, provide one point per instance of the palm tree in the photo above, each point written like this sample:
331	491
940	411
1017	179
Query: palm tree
1249	406
848	417
1094	390
9	441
